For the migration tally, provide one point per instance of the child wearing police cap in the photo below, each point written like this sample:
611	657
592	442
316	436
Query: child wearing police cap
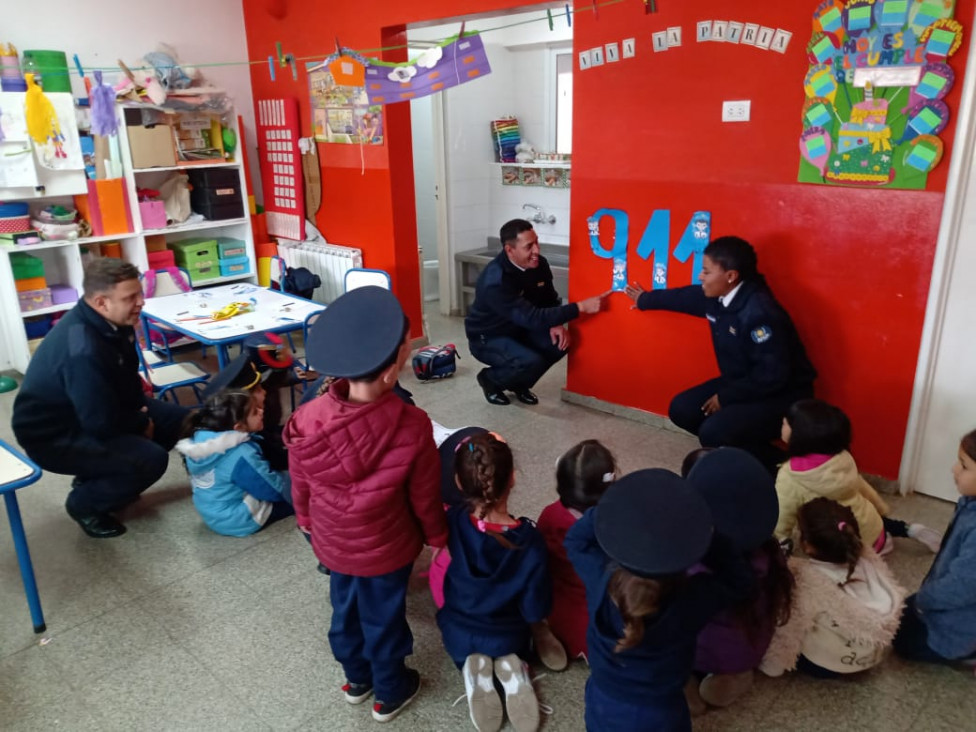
632	552
741	496
366	488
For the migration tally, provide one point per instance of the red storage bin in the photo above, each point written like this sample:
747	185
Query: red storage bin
159	260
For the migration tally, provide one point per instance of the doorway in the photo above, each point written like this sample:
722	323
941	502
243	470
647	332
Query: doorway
460	197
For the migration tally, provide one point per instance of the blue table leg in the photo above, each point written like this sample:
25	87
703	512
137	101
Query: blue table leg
24	560
222	357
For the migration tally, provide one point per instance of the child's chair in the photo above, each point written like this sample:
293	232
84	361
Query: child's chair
159	283
164	377
361	277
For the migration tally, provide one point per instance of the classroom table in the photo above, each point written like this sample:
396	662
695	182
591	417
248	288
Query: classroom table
190	313
17	471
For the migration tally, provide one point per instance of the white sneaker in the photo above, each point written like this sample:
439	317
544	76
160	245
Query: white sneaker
520	701
483	702
924	535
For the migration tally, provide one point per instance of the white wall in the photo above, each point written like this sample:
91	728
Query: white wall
102	31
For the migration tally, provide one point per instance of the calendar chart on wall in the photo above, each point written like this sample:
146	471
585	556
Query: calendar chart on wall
281	167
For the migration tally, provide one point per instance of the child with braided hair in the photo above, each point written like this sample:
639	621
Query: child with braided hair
496	587
846	605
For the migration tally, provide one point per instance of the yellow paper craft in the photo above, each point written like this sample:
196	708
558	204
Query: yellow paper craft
235	308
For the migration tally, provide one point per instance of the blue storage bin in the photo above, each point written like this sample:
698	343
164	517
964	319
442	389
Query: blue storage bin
38	327
234	266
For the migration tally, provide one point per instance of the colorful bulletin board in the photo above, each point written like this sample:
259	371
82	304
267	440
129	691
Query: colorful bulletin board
879	70
342	113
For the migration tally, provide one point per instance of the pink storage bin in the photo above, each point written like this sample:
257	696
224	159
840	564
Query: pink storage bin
32	300
63	294
14	224
153	214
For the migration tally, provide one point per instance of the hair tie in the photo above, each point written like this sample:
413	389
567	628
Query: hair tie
841	525
465	441
470	447
608	477
482	526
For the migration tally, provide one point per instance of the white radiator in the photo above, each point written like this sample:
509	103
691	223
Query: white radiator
329	261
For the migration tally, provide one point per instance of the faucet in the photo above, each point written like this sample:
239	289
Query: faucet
539	217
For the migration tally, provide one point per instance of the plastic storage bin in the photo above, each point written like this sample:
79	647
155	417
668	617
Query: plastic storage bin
26	284
194	252
63	294
204	272
216	193
34	300
26	266
234	266
153	214
230	248
159	260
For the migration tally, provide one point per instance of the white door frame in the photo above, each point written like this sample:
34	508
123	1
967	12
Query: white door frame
960	190
445	260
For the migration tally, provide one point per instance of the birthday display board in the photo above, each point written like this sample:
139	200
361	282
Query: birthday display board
458	60
879	71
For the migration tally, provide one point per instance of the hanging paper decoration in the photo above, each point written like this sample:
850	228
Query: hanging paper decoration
42	121
102	101
828	18
348	71
818	112
942	39
618	252
878	76
923	13
815	145
820	82
341	113
858	16
891	14
927	118
822	48
935	83
924	153
693	241
456	62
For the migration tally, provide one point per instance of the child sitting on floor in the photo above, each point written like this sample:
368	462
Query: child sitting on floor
234	489
939	622
632	551
496	586
740	493
818	437
846	604
583	474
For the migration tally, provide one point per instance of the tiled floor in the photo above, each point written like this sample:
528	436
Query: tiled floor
174	627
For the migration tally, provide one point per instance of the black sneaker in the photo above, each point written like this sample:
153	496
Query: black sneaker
386	711
357	693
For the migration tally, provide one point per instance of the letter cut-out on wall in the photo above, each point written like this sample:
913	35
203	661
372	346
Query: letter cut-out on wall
656	240
618	252
693	242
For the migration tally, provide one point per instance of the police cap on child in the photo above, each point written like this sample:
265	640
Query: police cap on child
356	334
653	523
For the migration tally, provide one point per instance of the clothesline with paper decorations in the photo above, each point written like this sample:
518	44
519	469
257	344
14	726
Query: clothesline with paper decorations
551	15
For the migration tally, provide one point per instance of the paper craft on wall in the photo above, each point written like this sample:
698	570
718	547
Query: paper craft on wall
341	111
618	252
878	76
656	241
459	60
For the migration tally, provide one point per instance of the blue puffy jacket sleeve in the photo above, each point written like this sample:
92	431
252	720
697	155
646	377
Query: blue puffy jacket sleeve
689	300
254	475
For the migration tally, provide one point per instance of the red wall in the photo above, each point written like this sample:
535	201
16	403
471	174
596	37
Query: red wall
852	266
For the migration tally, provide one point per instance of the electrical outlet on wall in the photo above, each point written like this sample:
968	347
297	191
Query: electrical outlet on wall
736	111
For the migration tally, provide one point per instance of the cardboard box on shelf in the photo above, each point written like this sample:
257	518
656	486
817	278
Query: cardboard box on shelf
151	147
156	243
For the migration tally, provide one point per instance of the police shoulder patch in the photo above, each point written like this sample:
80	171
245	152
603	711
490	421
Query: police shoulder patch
761	334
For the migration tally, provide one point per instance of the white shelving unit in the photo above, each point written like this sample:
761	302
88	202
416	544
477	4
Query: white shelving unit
63	262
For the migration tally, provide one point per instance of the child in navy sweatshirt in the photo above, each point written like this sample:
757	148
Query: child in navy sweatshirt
496	586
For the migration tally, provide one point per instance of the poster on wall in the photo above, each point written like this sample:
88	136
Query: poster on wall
342	113
878	72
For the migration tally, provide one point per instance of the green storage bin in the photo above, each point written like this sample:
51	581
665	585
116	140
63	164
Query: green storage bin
26	266
50	69
231	248
194	252
203	272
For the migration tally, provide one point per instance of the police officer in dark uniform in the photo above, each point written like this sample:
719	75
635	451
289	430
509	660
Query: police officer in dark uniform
516	324
762	363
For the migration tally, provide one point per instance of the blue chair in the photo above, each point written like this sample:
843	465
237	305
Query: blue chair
361	277
17	471
164	377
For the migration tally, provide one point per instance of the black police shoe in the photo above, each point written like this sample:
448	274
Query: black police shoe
494	394
526	397
98	525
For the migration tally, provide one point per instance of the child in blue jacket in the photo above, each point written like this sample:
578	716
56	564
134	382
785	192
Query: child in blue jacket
234	488
496	586
939	621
